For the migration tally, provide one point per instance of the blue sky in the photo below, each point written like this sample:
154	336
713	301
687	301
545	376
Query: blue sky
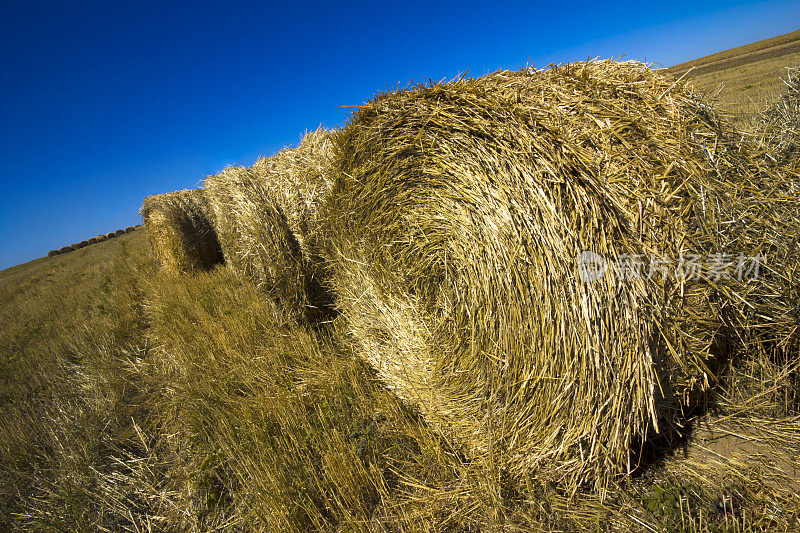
102	103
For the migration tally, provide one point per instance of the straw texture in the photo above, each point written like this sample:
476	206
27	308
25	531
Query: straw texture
452	234
180	230
265	216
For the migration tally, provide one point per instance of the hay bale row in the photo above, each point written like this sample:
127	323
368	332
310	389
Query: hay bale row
265	217
452	232
449	220
93	240
180	230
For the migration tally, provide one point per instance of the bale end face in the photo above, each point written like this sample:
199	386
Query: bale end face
453	232
180	231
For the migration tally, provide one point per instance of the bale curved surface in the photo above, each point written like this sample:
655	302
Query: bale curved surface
100	238
93	240
453	232
52	253
265	217
65	249
110	235
119	232
180	230
130	229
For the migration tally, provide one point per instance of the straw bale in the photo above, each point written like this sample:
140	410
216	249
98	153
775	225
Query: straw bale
265	217
101	238
453	233
110	235
130	229
93	240
180	230
119	232
65	249
52	253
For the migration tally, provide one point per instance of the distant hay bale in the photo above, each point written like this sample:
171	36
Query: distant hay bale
265	217
84	244
110	235
119	232
100	238
93	240
180	230
75	246
455	234
130	229
52	253
65	249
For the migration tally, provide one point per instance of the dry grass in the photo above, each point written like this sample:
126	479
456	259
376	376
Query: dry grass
180	230
453	230
265	216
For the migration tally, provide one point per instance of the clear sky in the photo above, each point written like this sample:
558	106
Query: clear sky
102	103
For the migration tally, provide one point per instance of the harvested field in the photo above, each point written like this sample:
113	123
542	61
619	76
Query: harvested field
180	230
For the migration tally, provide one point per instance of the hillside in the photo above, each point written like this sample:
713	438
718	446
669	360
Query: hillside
747	77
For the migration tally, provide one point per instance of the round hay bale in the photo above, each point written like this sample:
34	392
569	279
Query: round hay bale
52	253
92	240
75	246
180	230
100	238
458	233
84	244
65	249
110	235
130	229
119	232
266	219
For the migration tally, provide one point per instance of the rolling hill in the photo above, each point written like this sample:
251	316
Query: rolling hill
747	78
